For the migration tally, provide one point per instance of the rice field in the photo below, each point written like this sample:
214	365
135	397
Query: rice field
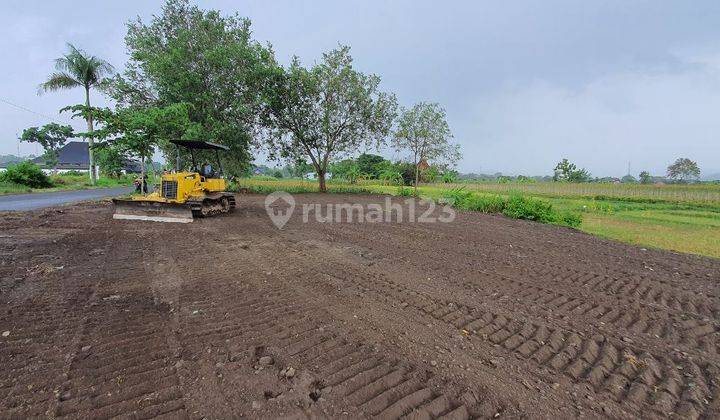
699	193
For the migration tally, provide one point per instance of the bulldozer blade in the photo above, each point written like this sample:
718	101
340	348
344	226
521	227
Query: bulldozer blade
152	211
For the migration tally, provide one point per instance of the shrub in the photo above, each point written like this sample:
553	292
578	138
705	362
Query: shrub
405	191
26	173
516	207
466	200
492	204
458	197
571	219
519	207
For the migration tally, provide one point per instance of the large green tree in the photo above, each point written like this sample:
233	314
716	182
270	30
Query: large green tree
645	177
370	165
683	170
325	112
204	59
51	137
569	172
79	69
423	131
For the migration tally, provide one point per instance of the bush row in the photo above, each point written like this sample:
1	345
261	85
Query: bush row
514	206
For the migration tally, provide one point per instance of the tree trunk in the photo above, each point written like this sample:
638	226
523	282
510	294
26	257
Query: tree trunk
417	176
321	180
142	175
91	157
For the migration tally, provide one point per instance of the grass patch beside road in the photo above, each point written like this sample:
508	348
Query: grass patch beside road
13	188
81	182
67	182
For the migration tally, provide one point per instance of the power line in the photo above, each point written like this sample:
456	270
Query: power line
32	112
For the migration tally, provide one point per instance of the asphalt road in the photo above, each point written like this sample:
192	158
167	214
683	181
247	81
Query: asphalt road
20	202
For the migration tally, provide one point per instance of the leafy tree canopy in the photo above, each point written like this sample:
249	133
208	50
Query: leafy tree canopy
203	59
136	132
628	179
325	112
51	137
344	169
423	131
369	164
568	172
110	159
645	177
683	169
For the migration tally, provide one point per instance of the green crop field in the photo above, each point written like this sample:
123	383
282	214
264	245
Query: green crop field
683	218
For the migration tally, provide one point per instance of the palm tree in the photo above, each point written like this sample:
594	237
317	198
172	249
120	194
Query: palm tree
78	69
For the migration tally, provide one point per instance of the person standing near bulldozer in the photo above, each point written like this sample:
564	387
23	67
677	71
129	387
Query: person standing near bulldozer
141	185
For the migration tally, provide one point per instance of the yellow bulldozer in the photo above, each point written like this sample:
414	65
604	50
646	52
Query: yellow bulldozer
183	195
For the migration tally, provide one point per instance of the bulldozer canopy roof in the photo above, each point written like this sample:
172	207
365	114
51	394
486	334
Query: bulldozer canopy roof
197	144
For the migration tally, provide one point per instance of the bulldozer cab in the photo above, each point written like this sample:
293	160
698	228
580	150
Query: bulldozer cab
205	169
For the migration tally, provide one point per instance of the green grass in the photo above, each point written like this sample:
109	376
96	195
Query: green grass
687	235
67	182
683	218
12	188
81	181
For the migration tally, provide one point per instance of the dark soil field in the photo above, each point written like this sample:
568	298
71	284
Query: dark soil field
228	317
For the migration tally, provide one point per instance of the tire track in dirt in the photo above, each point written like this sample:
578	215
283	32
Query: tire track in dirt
665	383
629	374
619	301
507	243
283	322
40	309
645	289
653	322
122	364
616	284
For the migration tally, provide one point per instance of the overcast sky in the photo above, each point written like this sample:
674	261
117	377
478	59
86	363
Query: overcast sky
524	83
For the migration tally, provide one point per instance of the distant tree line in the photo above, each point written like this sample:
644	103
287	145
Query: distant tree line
683	170
369	166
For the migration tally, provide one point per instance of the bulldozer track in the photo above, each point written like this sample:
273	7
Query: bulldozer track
371	379
121	363
693	332
634	304
673	294
624	372
665	384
